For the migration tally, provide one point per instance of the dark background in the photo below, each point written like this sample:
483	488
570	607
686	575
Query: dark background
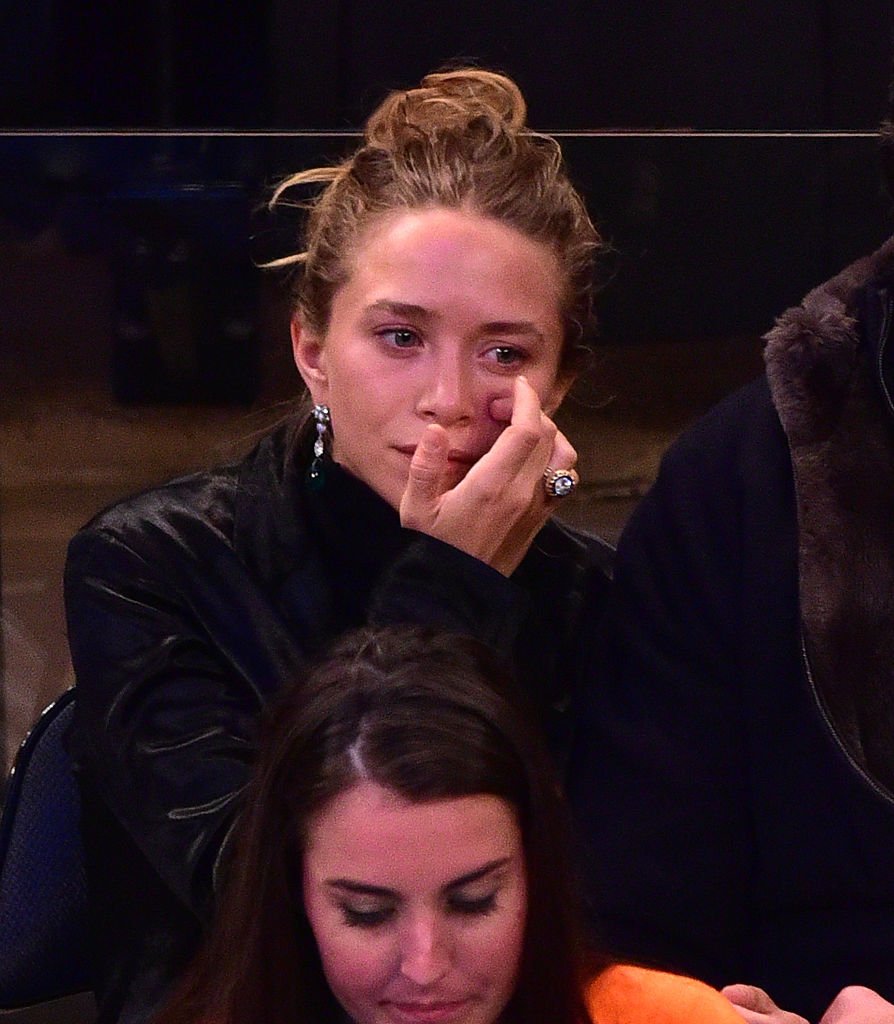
322	63
709	236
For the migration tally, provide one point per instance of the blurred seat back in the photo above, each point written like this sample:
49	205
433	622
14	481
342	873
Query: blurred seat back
43	886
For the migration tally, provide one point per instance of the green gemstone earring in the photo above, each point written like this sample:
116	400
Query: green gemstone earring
322	422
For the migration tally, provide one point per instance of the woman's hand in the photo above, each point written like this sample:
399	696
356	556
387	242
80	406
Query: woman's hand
858	1005
496	510
756	1007
852	1005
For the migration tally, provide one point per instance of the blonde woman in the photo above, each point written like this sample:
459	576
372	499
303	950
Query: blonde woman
442	308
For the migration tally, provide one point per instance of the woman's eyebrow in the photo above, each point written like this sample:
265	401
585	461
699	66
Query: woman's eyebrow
406	309
478	873
364	889
512	327
360	888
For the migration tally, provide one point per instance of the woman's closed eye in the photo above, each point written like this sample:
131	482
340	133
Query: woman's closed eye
366	917
457	903
472	906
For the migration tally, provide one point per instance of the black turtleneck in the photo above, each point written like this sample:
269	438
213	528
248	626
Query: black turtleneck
382	573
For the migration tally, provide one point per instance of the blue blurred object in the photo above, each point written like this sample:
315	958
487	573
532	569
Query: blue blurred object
43	882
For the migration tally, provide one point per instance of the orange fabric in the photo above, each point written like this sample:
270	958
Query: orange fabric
624	994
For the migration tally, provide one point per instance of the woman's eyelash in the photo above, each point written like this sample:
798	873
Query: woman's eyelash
481	905
461	905
366	918
506	355
400	337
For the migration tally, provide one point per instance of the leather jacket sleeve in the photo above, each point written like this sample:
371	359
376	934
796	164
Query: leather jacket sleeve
433	583
165	721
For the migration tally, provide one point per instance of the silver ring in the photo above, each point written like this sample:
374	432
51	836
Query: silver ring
559	483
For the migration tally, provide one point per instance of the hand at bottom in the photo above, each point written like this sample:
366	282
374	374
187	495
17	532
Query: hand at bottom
852	1005
858	1005
756	1007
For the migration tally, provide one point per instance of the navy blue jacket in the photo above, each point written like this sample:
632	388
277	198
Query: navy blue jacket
730	831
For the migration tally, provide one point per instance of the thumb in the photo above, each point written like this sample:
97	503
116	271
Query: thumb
749	997
427	470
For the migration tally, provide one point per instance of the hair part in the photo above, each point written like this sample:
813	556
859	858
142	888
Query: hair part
428	717
459	140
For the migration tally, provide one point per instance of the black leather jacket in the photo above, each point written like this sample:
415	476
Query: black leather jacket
189	606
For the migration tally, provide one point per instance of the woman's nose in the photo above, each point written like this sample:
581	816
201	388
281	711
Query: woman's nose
447	395
425	952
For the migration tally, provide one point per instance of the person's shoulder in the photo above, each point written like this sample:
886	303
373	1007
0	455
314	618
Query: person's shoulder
743	419
626	994
726	457
203	499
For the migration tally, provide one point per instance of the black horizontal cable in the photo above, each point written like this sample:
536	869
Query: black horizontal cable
558	133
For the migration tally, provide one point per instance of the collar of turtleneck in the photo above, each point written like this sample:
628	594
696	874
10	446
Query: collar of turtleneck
321	549
357	534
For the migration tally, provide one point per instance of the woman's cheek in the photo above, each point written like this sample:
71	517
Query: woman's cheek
355	964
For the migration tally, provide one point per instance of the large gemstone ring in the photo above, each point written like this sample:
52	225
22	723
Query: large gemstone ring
559	483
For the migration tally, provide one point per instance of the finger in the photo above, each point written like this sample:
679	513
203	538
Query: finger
752	1016
428	470
525	403
860	1005
525	444
501	407
517	458
563	455
749	997
756	1007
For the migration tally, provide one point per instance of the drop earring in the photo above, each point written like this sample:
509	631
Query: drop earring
322	422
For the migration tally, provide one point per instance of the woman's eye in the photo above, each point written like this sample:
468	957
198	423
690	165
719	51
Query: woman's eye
400	337
506	355
473	907
357	918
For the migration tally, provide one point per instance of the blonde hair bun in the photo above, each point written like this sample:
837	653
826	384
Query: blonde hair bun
449	101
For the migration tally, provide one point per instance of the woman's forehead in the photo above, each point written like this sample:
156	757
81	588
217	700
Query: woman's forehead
372	834
438	258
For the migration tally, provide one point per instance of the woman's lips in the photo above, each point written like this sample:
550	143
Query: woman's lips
429	1012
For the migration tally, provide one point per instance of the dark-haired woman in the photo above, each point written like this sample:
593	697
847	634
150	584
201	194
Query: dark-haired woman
443	300
400	861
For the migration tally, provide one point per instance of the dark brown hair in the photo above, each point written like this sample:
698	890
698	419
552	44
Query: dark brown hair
459	141
429	717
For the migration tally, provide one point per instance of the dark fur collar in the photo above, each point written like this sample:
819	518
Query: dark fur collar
822	368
